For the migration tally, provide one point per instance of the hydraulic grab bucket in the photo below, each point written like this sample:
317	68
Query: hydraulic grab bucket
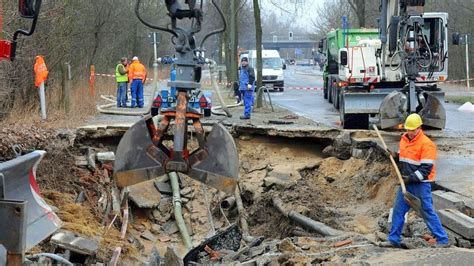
141	156
393	109
25	218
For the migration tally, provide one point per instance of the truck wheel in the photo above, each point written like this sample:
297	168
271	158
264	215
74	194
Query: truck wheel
336	98
330	92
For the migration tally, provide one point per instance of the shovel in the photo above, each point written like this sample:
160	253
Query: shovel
414	202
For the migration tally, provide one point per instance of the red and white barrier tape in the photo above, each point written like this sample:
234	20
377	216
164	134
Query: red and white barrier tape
113	76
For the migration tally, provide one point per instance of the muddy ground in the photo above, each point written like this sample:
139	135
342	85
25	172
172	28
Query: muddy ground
346	185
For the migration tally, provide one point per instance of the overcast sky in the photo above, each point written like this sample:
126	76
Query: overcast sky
299	13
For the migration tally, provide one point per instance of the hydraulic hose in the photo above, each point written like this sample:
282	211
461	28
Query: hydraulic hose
178	215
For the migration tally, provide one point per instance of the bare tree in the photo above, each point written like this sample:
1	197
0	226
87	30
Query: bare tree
358	6
258	37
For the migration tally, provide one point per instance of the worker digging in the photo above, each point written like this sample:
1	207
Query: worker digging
417	159
371	164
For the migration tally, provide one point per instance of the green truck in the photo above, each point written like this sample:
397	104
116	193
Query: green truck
350	62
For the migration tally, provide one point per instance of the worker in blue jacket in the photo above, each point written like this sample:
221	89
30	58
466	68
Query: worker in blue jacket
246	86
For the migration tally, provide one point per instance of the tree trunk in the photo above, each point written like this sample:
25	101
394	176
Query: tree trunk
234	39
258	38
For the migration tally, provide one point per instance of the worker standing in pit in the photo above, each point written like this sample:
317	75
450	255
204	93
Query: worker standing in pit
417	165
122	82
246	86
136	75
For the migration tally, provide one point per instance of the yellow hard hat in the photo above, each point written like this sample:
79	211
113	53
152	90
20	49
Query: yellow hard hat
413	122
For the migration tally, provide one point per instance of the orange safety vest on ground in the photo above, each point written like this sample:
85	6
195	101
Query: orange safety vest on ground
417	157
136	70
41	72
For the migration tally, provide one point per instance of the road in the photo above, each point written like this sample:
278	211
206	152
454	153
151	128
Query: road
311	104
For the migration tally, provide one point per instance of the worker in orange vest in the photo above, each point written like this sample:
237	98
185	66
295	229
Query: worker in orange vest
417	159
137	76
41	72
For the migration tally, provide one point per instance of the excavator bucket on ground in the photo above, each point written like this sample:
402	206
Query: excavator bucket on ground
139	158
25	218
393	109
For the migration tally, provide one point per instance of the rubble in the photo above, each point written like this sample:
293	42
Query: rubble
70	241
149	236
144	194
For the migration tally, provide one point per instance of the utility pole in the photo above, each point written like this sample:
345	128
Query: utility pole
467	62
155	61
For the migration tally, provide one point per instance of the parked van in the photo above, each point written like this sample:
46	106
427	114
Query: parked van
272	67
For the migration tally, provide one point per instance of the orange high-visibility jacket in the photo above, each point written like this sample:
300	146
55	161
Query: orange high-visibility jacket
136	70
41	72
417	157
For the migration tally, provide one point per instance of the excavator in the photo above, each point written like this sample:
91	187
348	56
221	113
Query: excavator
141	154
413	60
391	71
25	218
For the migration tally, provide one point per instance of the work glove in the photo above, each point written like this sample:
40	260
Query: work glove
390	152
249	87
409	179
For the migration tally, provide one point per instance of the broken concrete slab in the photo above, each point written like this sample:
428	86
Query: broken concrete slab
144	194
149	236
458	222
446	200
186	191
75	243
170	227
80	161
278	182
164	188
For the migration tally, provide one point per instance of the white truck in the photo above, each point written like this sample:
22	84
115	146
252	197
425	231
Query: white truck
272	67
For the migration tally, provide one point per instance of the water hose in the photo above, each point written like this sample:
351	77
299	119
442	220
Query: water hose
178	215
212	66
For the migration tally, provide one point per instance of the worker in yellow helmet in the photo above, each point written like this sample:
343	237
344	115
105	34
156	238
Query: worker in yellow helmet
417	165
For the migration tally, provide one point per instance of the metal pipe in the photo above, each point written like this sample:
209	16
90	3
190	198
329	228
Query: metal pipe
178	215
52	256
243	222
304	221
228	203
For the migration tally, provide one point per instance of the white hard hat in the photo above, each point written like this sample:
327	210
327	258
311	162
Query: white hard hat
135	58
